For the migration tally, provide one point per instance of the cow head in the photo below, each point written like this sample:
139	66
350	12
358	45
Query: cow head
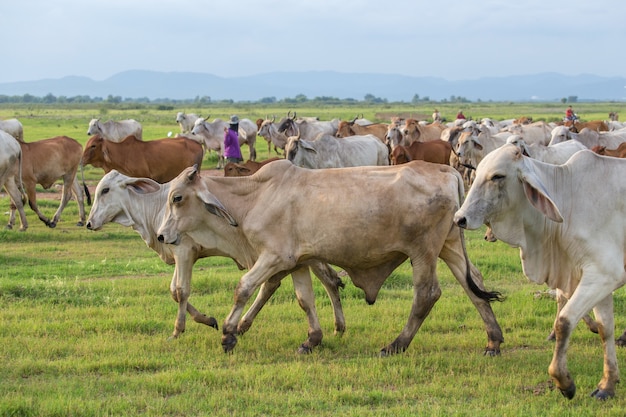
94	127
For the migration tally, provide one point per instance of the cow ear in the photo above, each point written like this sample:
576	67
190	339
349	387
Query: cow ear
214	206
143	185
306	146
540	199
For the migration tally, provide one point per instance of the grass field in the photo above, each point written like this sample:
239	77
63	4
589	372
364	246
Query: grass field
85	319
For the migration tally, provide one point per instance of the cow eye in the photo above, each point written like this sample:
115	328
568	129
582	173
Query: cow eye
497	177
105	191
177	199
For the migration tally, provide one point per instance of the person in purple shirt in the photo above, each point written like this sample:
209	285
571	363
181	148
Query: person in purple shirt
232	151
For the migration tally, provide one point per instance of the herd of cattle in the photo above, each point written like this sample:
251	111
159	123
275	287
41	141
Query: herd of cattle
553	191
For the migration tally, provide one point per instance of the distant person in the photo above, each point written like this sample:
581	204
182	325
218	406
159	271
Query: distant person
460	115
436	116
569	114
232	151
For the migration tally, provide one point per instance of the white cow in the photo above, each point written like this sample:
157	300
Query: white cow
307	129
269	131
349	227
115	131
569	222
11	174
537	132
472	147
186	121
213	134
554	154
588	137
330	152
140	203
14	128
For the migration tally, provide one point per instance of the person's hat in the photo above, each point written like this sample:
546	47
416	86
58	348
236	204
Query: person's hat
234	119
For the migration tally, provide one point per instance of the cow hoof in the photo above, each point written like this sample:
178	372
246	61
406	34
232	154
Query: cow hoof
51	225
621	342
228	342
8	227
601	394
304	350
491	352
570	392
209	321
80	224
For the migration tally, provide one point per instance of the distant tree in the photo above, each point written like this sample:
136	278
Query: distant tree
572	99
415	99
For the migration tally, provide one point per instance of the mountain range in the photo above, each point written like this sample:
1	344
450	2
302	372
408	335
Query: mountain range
279	85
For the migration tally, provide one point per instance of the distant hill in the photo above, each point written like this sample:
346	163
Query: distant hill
280	85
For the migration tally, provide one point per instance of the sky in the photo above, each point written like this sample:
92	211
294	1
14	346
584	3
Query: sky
450	39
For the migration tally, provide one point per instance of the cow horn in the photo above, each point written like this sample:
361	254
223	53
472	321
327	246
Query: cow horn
354	120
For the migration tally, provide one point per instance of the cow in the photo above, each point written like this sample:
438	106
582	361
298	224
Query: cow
352	128
349	227
213	134
544	210
554	154
538	132
269	131
115	131
619	152
186	121
394	136
307	129
413	131
160	159
436	151
140	203
576	126
589	138
329	152
235	169
472	147
44	162
11	176
14	128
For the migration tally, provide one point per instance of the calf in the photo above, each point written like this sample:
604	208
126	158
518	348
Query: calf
437	151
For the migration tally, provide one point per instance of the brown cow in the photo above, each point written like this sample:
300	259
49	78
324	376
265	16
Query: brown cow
235	169
351	128
161	159
413	131
619	152
597	125
44	162
437	151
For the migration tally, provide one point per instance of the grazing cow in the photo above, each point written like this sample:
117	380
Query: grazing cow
620	152
140	203
115	131
329	152
437	151
352	128
307	129
213	134
589	138
545	211
44	162
11	175
14	128
354	233
413	131
186	121
161	159
235	169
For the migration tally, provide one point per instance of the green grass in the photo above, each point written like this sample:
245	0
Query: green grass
85	319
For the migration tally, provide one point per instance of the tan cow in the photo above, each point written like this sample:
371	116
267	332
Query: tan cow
115	131
10	175
44	162
140	204
619	152
436	151
352	128
235	169
349	226
161	159
413	131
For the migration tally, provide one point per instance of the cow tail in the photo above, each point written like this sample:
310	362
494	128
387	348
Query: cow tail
85	188
21	184
488	296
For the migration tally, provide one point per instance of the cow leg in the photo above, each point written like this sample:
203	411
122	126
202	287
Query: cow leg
266	291
32	202
264	268
180	288
68	181
426	292
79	195
606	329
561	300
594	290
331	282
16	204
452	255
303	286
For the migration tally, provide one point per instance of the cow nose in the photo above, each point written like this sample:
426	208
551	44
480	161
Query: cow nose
89	226
161	238
462	222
